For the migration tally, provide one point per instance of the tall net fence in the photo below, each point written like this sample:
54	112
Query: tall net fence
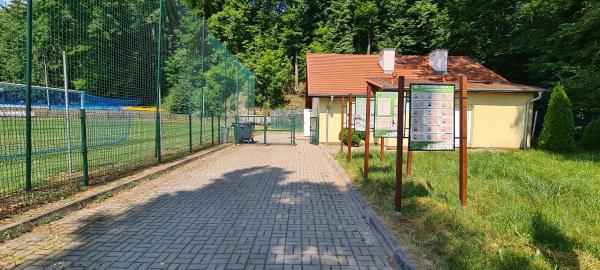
102	87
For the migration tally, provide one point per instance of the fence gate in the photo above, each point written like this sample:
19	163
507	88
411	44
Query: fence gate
314	130
274	130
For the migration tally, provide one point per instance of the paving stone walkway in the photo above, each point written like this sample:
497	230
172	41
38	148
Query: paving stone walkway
245	207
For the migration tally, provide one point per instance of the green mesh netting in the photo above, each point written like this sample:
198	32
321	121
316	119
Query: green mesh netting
132	68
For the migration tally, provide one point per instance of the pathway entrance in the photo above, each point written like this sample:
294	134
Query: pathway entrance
245	207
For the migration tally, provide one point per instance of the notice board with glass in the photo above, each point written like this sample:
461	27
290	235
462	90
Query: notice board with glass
431	117
386	115
359	113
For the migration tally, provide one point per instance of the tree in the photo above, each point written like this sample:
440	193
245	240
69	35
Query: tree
231	25
206	8
558	132
365	16
272	68
338	35
12	40
416	29
591	136
183	68
293	34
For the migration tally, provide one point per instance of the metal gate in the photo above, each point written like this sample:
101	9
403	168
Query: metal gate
278	130
314	130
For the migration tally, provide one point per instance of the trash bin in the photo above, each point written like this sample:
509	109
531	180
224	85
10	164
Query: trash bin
244	132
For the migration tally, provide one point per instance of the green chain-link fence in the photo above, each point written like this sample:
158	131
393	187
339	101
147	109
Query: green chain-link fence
93	89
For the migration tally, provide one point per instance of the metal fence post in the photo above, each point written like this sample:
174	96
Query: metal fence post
219	128
158	82
292	131
225	96
28	64
84	148
202	83
190	130
265	129
235	129
212	129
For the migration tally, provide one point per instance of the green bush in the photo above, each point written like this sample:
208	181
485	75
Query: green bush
591	136
343	136
558	132
361	134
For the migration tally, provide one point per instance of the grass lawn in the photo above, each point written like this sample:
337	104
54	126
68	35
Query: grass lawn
527	209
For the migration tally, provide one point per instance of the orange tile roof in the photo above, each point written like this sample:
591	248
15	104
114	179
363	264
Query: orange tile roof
341	74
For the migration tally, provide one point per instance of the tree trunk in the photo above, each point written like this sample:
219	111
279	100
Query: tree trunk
295	72
45	69
369	41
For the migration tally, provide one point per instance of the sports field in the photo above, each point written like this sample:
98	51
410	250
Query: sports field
117	141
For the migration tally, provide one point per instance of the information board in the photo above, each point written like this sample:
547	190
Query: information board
359	113
386	116
431	117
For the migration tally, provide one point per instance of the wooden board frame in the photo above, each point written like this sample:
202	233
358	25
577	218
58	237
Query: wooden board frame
462	166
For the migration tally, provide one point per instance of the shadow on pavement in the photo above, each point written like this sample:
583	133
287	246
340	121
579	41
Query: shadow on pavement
248	217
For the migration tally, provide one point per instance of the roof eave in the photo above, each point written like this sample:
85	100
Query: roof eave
488	90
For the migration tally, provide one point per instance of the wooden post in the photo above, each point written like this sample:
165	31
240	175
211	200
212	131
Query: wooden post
399	145
463	142
343	116
367	132
349	158
382	149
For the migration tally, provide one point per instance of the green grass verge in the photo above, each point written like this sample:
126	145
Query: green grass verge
527	209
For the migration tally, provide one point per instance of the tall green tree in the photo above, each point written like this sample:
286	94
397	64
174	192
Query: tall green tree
365	19
338	34
415	28
292	34
558	133
12	40
232	26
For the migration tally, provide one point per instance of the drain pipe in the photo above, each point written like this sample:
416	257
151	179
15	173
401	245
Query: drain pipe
539	96
327	122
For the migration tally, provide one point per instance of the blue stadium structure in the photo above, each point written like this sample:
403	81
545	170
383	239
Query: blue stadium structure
13	95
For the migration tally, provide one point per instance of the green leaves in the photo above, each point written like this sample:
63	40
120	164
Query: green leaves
558	133
591	136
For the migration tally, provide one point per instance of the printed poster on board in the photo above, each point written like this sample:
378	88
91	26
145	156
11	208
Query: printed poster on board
431	117
386	116
359	114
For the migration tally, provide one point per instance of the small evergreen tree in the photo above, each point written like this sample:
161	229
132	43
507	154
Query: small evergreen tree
558	132
591	136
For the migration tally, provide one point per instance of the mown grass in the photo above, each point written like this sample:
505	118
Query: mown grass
527	209
116	146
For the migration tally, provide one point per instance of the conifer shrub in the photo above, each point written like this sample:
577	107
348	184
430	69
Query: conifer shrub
591	136
558	131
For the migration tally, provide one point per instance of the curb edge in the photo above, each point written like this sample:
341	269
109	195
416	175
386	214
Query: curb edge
391	246
32	222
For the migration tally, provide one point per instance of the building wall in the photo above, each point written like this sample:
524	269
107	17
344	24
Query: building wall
332	119
335	125
497	120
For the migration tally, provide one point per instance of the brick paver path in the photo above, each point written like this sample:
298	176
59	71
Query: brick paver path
245	207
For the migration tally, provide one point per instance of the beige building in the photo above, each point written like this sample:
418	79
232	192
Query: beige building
500	113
